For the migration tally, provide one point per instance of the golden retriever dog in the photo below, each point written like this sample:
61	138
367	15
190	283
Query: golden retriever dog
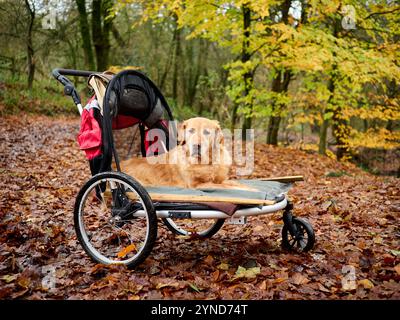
200	160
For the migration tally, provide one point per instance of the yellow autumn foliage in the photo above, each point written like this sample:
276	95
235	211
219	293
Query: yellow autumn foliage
344	73
374	138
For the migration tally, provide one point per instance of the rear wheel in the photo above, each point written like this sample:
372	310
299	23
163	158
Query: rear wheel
104	222
198	228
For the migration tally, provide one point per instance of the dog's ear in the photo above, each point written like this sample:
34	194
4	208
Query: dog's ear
216	123
181	133
218	132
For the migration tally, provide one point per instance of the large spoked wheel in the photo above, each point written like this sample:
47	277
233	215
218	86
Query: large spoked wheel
115	220
196	228
303	238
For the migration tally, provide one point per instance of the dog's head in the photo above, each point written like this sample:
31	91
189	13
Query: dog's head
200	137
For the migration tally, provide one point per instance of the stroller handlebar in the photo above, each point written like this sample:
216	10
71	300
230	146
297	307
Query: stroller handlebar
69	89
70	72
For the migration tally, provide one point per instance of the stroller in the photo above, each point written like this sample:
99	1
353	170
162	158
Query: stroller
115	217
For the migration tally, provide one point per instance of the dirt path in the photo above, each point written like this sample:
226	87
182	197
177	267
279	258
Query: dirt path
355	216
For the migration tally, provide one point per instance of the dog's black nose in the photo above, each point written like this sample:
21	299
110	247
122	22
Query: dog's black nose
196	149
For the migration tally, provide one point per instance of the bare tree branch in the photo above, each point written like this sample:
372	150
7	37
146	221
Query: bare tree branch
382	12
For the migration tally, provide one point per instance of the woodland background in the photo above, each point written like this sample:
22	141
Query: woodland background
321	89
318	75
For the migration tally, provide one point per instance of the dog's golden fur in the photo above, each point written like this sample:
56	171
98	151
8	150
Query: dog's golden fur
199	161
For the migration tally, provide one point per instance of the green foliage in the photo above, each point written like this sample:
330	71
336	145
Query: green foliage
46	97
336	174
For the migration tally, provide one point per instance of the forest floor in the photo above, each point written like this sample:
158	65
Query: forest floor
355	216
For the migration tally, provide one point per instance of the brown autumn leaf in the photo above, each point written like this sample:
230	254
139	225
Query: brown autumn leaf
397	269
24	282
263	285
279	280
172	284
125	251
378	240
298	279
9	277
366	283
19	294
388	259
223	266
361	244
99	268
132	288
242	272
209	260
215	275
326	205
5	292
349	285
322	288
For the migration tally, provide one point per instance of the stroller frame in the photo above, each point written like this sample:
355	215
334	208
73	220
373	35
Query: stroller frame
294	231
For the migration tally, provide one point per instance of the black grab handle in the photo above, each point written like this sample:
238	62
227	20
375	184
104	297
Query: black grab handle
70	72
69	88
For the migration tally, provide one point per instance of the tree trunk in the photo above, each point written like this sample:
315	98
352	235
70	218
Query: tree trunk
323	133
29	44
97	32
341	132
248	76
85	34
246	125
273	129
168	63
339	124
72	54
101	28
279	84
117	35
234	115
188	72
197	68
177	63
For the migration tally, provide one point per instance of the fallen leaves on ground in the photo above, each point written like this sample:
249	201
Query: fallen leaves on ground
128	249
355	216
242	272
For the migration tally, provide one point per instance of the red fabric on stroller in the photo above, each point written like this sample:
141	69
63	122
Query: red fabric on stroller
153	146
122	122
89	137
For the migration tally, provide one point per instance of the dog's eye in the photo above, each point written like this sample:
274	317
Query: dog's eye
192	130
206	132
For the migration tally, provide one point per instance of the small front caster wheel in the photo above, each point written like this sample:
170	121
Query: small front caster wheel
302	239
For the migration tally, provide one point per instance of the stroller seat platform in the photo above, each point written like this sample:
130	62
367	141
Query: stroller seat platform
265	193
217	203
